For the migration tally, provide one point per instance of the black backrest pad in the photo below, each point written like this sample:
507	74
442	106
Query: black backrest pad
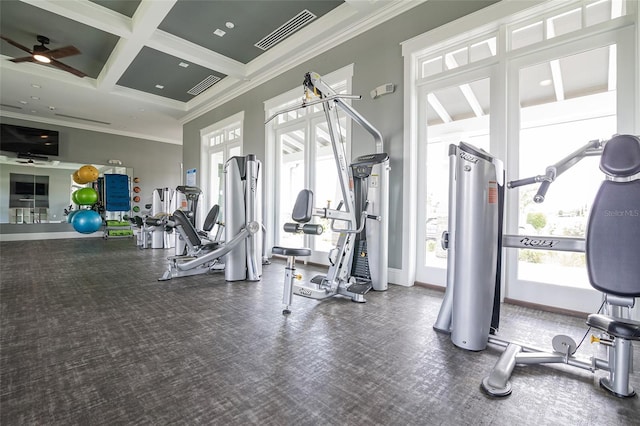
190	232
303	208
621	156
613	239
212	218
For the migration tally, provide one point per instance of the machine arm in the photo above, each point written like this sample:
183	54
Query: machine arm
592	148
313	82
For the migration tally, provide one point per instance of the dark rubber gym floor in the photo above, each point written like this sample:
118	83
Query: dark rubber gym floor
89	337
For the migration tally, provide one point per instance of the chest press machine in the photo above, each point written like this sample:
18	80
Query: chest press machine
240	254
470	309
359	260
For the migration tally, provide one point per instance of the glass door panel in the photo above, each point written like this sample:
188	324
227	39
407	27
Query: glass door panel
450	114
564	103
216	181
292	179
326	184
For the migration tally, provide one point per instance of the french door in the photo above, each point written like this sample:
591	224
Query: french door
450	110
305	160
559	111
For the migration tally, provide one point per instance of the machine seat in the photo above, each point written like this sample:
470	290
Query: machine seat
211	219
617	327
190	232
286	251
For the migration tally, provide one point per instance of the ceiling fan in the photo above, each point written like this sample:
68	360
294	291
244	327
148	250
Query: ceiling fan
42	54
31	162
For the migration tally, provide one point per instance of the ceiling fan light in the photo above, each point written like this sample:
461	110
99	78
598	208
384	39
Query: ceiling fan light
41	58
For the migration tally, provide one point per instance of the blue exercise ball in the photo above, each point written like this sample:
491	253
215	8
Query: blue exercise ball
86	221
71	214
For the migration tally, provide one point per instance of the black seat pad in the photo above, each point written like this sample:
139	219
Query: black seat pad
287	251
617	327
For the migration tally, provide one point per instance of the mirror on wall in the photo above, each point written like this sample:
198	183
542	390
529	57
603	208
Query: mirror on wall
38	191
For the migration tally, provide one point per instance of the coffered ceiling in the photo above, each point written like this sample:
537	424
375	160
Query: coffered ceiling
152	65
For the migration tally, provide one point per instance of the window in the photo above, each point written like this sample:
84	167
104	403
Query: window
548	80
220	142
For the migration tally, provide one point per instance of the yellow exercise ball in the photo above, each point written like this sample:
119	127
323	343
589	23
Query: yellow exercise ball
77	179
88	173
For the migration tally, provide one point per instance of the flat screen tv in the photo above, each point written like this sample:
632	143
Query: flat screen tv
29	188
29	141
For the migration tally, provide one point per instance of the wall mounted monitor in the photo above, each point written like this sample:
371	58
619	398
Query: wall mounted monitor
29	141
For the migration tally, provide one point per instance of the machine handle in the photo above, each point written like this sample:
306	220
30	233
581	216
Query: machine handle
525	181
542	191
307	228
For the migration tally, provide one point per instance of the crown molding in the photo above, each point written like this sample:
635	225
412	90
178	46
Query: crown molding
271	65
89	127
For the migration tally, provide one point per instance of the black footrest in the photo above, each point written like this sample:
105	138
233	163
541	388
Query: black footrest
360	287
318	279
288	251
617	327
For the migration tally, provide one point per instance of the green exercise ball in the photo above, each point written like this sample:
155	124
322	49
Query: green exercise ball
86	221
86	196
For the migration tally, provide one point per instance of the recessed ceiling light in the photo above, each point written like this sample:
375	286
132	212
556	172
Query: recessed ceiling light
35	98
219	32
183	64
35	86
52	108
24	102
230	25
546	82
159	86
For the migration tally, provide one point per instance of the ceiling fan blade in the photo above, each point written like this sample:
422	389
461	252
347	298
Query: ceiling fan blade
62	52
16	44
25	59
67	68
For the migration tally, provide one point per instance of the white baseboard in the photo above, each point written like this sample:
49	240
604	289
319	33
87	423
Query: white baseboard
397	277
48	236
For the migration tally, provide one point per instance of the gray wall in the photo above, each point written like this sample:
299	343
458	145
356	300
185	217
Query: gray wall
377	56
157	164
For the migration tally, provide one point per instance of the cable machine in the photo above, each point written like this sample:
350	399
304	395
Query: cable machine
359	260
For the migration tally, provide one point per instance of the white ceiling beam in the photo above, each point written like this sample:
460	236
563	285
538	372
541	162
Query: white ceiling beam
87	13
172	45
556	76
293	141
468	94
438	108
616	8
556	72
612	80
144	23
472	100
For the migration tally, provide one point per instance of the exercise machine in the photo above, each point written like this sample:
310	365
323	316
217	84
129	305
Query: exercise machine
239	255
163	202
470	308
186	199
359	260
